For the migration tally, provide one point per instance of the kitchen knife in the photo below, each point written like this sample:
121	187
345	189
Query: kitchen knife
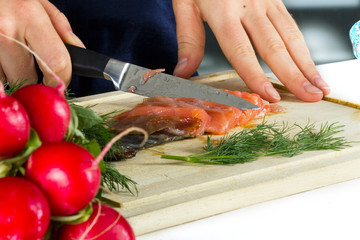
343	79
130	78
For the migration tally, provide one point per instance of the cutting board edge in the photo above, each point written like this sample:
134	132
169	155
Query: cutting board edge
232	200
284	167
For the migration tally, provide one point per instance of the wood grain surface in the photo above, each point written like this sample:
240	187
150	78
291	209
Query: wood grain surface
173	192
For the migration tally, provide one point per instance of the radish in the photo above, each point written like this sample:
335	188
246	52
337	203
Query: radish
24	210
66	173
104	223
48	110
14	125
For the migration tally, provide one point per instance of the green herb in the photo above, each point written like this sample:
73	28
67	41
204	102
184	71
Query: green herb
86	124
267	140
79	217
9	89
11	166
91	131
103	135
115	181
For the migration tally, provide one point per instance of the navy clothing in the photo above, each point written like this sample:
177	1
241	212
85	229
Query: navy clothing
142	32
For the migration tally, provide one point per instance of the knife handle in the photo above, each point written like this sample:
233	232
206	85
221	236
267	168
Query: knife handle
87	63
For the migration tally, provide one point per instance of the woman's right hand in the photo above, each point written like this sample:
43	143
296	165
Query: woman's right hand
42	27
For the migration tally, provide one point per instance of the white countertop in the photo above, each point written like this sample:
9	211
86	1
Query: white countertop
330	213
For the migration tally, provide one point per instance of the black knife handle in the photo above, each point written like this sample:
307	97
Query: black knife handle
86	62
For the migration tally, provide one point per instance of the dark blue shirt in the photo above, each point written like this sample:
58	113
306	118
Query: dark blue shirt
142	32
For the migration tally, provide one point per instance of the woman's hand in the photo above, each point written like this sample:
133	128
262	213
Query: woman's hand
242	27
41	26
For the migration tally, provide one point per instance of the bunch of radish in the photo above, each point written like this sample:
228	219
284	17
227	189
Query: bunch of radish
59	178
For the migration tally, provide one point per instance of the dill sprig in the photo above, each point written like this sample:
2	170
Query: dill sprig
116	181
102	133
10	88
267	140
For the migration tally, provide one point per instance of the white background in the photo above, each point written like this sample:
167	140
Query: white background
331	213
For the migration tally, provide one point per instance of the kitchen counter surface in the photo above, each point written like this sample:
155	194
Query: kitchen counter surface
331	212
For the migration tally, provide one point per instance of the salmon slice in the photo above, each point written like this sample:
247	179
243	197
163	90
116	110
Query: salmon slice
249	114
170	125
158	107
189	116
222	117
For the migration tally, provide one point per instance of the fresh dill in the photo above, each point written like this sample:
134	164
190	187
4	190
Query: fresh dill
10	88
267	140
92	131
116	181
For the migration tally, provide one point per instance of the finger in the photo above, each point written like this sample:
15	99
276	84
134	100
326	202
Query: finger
18	67
296	45
46	42
61	24
190	36
2	75
17	64
237	48
273	51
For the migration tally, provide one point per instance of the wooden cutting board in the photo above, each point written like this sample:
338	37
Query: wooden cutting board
173	192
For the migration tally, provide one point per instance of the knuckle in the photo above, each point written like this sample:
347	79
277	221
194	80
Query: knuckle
29	8
61	20
280	6
8	28
242	50
15	17
272	47
59	16
58	62
292	34
185	41
275	45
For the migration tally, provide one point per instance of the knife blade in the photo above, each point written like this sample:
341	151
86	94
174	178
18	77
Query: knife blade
130	78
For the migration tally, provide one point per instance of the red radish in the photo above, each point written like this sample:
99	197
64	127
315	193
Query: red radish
66	173
24	210
104	223
14	125
48	110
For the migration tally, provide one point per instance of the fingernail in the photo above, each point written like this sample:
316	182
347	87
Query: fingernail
311	88
77	39
180	66
270	90
320	83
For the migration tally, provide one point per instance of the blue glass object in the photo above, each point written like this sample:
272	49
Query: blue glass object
355	38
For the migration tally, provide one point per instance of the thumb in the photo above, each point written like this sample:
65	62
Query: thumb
61	24
190	36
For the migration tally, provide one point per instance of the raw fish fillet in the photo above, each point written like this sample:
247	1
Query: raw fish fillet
191	121
189	117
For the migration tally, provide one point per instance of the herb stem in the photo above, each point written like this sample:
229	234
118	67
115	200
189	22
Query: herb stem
267	140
